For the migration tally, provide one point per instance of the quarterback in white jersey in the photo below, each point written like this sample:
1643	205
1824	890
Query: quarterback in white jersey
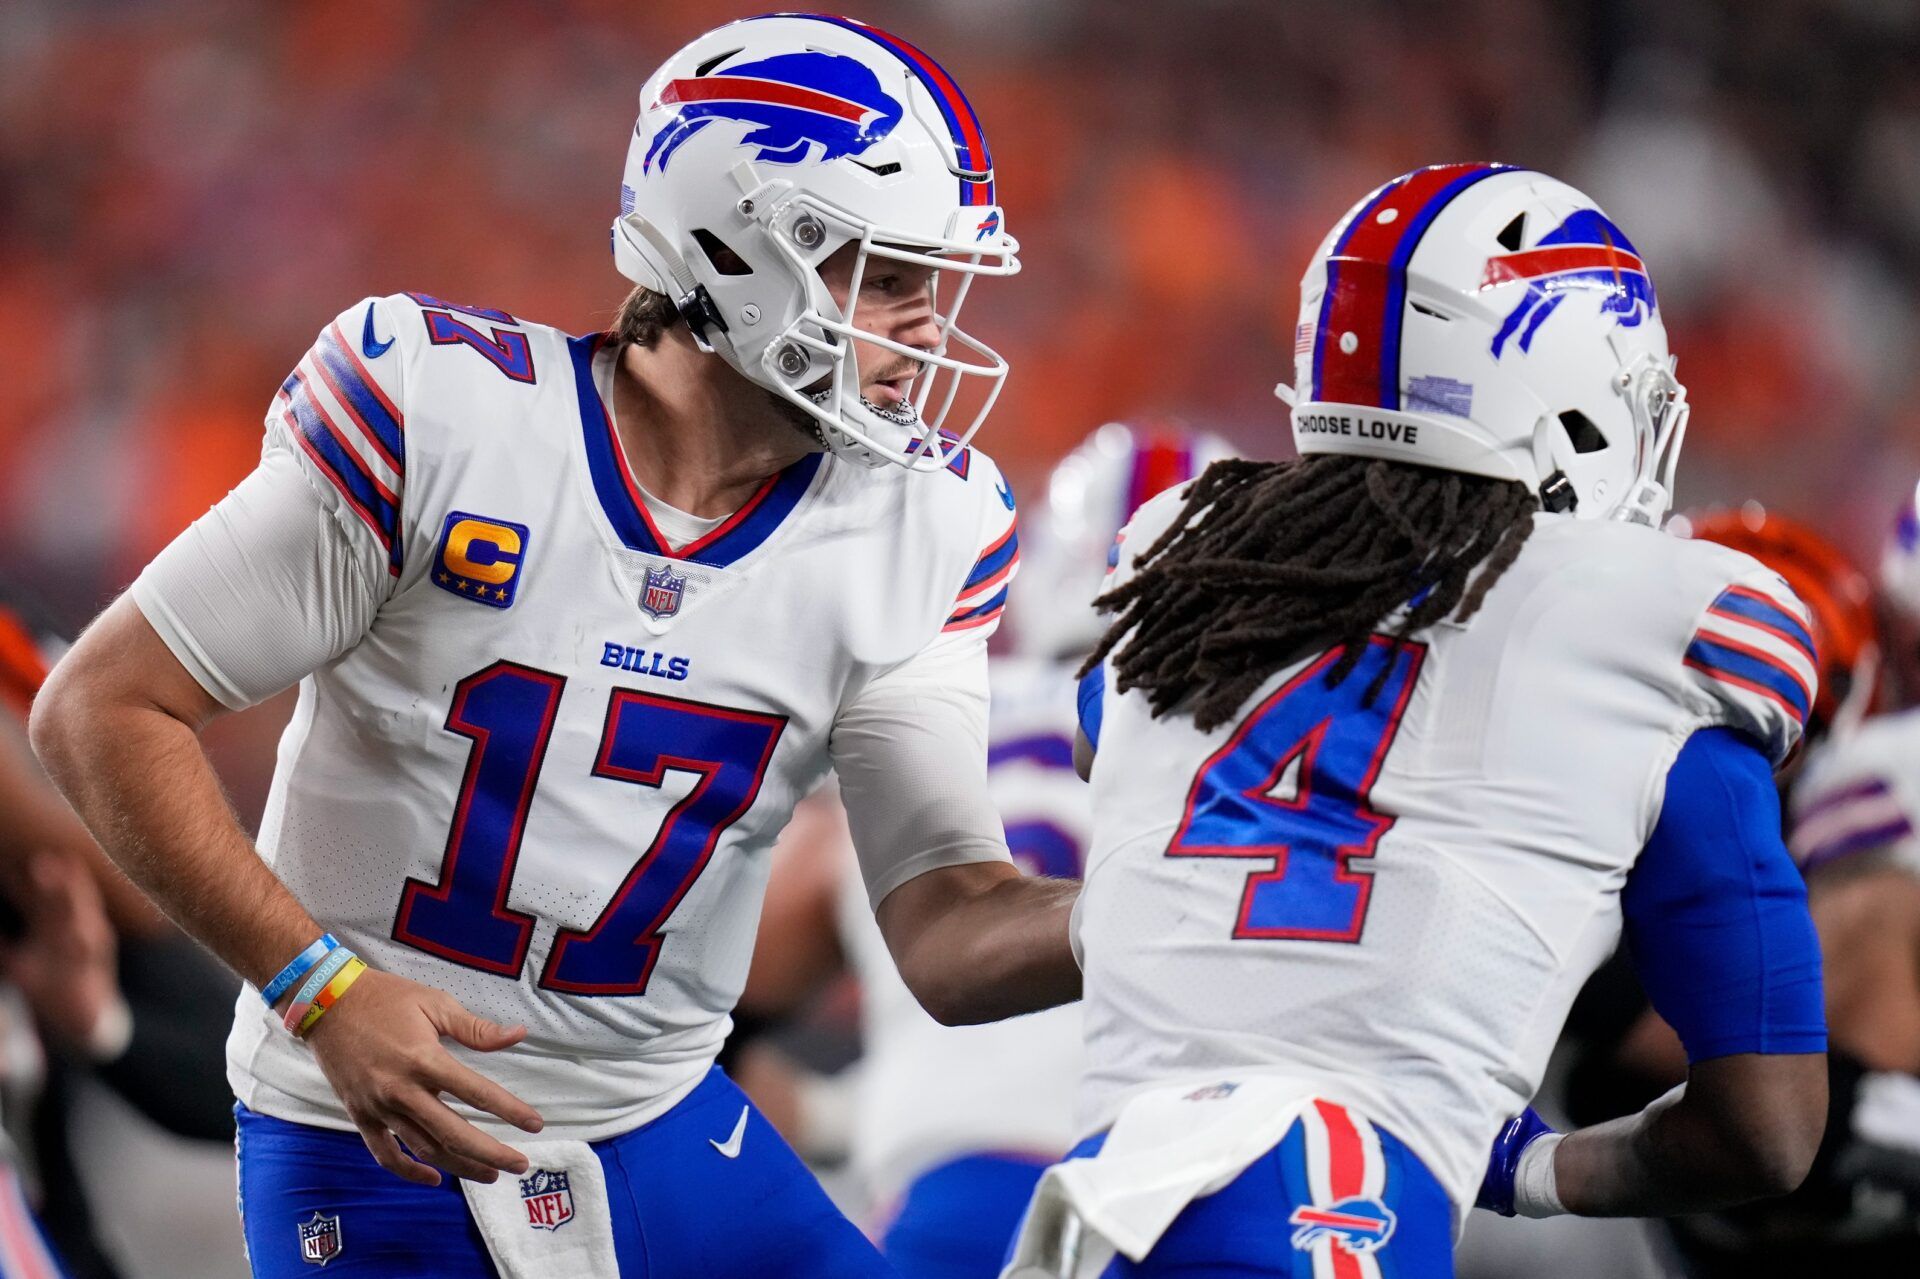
1386	743
575	622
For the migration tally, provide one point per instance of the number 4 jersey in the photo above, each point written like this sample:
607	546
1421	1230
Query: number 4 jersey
1397	900
547	729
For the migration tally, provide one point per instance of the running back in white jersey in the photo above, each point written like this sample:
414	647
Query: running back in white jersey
1860	792
1398	901
546	776
930	1093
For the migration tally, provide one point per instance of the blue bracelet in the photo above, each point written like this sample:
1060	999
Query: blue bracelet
323	972
293	972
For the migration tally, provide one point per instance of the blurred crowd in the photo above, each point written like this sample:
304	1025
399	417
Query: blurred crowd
189	188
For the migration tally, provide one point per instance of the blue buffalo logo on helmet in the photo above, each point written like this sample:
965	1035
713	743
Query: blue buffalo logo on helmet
1586	251
795	101
1360	1224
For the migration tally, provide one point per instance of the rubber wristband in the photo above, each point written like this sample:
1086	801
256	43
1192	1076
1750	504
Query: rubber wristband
339	957
331	995
1536	1191
302	964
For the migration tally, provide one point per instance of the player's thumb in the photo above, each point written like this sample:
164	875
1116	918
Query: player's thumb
471	1030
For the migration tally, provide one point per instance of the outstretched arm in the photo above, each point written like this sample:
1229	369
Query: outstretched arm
1717	920
973	938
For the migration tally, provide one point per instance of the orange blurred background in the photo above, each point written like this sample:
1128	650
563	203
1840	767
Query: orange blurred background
190	188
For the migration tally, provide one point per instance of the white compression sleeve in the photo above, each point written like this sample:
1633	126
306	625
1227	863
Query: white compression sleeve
911	752
265	588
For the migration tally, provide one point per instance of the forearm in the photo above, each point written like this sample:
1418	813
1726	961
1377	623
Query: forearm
141	783
994	952
1700	1148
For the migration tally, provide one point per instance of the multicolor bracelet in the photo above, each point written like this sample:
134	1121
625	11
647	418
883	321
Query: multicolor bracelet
325	971
331	995
302	964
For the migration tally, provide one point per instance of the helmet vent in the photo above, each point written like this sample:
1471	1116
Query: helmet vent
886	170
1512	233
724	259
1585	436
707	67
1427	310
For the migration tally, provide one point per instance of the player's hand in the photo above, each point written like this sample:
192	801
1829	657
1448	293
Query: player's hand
64	961
1519	1132
380	1048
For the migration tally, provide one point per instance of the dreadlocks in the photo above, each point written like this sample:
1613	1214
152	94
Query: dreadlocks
1270	561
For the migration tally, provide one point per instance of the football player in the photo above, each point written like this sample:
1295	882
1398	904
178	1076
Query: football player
1391	740
575	622
952	1126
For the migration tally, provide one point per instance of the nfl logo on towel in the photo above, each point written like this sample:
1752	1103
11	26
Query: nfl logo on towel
320	1239
548	1198
661	594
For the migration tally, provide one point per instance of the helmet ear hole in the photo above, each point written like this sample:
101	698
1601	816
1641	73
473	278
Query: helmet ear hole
1582	433
724	259
1512	234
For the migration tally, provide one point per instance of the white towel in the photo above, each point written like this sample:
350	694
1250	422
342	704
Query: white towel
1169	1147
553	1221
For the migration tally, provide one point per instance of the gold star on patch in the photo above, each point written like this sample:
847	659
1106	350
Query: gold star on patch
445	578
500	594
461	586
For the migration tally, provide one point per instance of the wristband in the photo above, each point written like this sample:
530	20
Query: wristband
326	999
325	971
302	964
1535	1189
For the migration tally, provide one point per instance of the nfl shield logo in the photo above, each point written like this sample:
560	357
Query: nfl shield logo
660	596
320	1239
548	1198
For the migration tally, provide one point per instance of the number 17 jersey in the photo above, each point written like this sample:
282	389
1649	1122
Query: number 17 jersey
542	755
1397	898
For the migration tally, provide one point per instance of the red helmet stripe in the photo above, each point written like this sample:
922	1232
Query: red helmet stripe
1366	286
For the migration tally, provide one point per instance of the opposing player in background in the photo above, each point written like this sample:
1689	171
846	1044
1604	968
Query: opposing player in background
952	1126
576	622
1391	739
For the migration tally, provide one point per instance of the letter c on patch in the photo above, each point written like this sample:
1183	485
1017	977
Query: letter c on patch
483	552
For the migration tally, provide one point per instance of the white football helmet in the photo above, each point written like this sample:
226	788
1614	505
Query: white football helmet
761	149
1091	494
1491	320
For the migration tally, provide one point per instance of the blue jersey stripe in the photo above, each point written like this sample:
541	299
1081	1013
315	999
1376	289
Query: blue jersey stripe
344	377
1753	607
968	614
993	561
348	471
1761	674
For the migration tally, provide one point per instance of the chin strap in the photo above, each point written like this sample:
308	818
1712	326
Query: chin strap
691	298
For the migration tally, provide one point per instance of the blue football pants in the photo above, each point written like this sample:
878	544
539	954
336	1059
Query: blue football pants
681	1209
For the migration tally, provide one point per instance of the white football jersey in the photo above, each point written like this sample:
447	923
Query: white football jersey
930	1093
1859	792
547	775
1398	901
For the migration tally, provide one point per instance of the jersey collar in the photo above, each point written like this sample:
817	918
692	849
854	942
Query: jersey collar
735	537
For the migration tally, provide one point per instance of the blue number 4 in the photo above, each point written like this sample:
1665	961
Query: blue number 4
1292	784
507	711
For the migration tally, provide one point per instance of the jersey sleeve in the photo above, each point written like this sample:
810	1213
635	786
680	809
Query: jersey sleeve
287	571
910	750
982	598
1749	661
1716	913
